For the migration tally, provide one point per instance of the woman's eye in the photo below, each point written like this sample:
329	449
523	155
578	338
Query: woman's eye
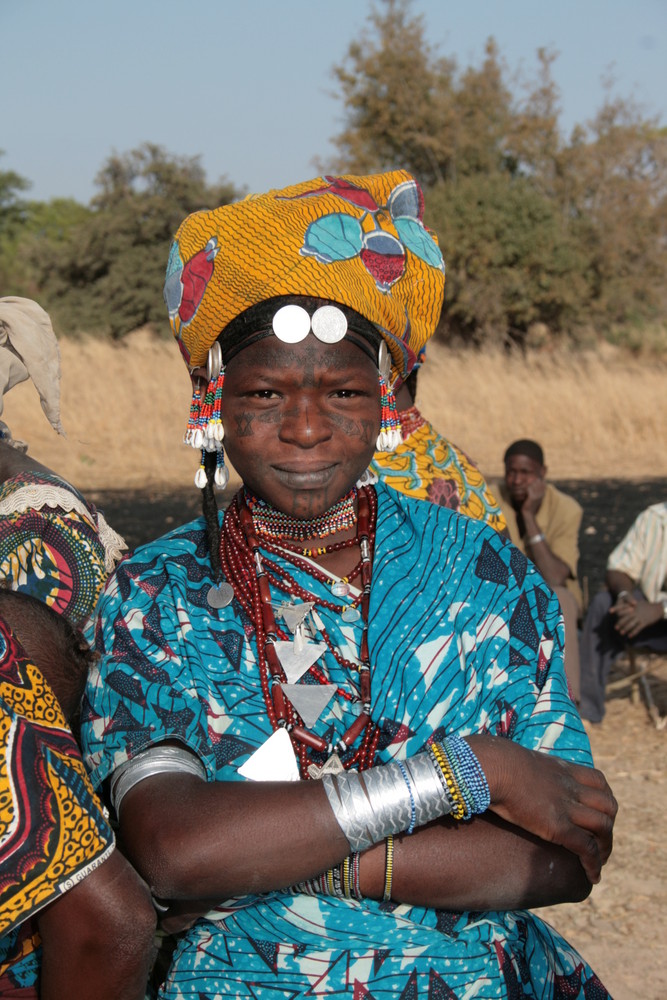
264	393
346	393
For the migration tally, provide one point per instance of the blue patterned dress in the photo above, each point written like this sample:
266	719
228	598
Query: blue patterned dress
464	637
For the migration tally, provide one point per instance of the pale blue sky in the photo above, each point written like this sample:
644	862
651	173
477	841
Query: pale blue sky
248	85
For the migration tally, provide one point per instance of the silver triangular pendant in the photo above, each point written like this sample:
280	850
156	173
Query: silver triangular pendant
333	765
295	663
273	761
294	614
309	700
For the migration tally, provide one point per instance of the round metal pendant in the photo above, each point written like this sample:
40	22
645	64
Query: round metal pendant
291	324
221	596
351	615
340	589
329	324
214	361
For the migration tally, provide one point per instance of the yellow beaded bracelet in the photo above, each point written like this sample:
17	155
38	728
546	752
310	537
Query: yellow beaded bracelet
388	868
459	810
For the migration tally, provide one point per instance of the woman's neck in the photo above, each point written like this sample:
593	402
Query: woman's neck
329	539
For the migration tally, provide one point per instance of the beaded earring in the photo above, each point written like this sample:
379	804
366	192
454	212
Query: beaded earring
389	437
205	429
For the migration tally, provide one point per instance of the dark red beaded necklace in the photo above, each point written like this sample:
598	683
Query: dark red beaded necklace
250	573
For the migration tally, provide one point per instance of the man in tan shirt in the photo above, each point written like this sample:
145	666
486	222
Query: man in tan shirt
544	524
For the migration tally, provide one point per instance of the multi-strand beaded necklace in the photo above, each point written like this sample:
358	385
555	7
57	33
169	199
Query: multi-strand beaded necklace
274	524
251	575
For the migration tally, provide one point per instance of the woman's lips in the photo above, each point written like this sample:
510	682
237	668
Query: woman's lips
304	478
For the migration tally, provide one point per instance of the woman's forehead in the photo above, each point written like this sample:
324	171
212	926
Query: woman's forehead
271	353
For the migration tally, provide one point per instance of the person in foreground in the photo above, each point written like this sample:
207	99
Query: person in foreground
334	723
544	523
631	611
75	919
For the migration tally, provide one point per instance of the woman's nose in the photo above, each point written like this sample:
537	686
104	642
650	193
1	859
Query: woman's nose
305	424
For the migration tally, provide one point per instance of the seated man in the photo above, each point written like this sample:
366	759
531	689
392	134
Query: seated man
632	611
75	918
544	523
427	466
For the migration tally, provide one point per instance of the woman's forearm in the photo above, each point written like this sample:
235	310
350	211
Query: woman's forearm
192	839
483	864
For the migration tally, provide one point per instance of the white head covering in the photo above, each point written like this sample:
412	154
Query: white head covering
29	350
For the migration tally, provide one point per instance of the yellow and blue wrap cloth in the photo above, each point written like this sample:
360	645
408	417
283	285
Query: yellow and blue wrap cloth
356	241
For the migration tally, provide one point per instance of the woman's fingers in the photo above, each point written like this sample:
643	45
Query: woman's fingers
567	804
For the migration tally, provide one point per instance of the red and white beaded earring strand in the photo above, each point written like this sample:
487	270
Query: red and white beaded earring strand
205	430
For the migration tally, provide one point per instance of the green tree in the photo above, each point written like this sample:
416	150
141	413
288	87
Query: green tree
511	260
533	227
12	209
615	193
44	227
108	274
398	99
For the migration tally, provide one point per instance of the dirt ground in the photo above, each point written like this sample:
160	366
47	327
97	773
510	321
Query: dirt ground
621	929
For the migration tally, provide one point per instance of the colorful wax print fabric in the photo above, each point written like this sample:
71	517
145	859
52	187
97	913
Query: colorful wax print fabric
53	831
464	637
53	544
357	241
427	466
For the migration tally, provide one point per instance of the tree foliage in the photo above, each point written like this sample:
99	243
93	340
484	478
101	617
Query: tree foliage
12	208
101	269
534	227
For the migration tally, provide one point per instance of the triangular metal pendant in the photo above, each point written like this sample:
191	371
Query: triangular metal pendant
275	760
295	663
294	614
333	765
309	700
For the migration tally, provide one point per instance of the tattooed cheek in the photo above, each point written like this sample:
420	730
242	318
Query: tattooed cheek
244	424
269	418
349	427
368	431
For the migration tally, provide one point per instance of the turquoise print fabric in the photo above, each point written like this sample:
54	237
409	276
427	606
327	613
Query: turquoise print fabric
464	637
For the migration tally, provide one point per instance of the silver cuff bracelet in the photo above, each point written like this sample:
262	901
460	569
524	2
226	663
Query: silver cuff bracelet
158	759
387	799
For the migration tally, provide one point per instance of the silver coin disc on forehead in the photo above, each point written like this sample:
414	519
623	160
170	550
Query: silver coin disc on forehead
291	324
329	324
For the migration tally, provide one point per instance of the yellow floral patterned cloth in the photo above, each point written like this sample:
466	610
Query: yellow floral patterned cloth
429	467
358	241
53	831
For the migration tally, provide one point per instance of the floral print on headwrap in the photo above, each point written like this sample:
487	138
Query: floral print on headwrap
358	241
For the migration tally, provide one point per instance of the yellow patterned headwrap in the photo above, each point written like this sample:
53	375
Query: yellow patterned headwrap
357	241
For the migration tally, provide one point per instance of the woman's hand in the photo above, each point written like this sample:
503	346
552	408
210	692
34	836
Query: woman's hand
562	803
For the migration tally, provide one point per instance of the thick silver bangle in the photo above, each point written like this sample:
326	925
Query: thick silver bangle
387	799
158	759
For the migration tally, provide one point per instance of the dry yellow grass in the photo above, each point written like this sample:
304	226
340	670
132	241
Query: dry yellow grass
125	405
595	415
